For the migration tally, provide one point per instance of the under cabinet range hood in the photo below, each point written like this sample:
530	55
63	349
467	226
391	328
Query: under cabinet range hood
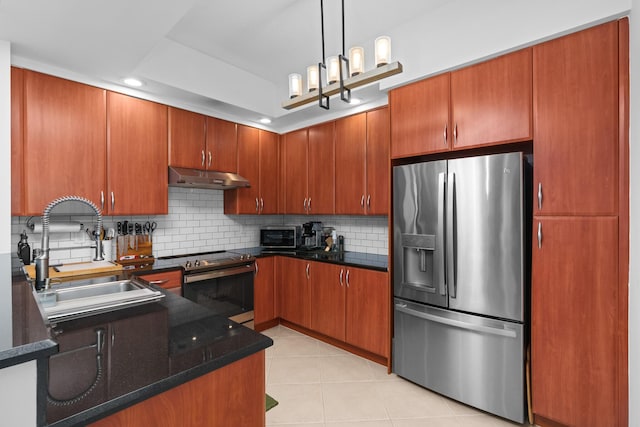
213	180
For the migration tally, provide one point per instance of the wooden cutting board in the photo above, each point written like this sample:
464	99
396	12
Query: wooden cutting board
77	269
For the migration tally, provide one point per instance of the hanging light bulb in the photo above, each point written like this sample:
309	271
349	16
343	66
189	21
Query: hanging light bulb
295	85
312	78
383	50
333	69
356	61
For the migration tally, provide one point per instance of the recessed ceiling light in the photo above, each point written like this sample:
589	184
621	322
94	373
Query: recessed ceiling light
130	81
355	101
265	121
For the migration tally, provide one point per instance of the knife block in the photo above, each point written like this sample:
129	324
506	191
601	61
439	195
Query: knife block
133	248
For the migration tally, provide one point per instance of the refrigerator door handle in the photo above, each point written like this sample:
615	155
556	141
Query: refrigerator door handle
509	333
439	252
450	238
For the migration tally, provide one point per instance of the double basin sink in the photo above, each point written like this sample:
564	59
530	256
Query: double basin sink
83	298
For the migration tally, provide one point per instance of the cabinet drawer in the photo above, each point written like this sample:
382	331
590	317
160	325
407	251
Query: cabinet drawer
169	280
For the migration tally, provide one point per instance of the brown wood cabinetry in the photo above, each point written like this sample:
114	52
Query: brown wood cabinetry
362	163
258	152
294	290
221	145
367	310
484	104
576	123
17	149
309	170
229	396
64	141
136	156
574	314
580	237
264	294
187	139
328	299
169	280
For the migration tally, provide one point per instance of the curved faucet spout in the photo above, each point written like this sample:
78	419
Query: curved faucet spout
42	260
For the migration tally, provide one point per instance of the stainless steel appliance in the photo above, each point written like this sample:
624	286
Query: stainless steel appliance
207	179
312	235
281	237
221	281
460	275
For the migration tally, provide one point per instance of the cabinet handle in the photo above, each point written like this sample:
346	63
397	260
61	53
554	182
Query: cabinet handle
539	235
210	159
362	202
261	204
304	204
539	196
348	271
158	282
257	205
113	202
102	200
309	205
255	273
341	274
202	158
455	134
204	356
307	271
113	337
369	202
444	133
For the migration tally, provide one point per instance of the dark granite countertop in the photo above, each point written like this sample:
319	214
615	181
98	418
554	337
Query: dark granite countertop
193	342
352	259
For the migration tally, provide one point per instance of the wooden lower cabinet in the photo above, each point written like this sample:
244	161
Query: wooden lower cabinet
294	291
233	395
169	280
264	304
574	319
328	298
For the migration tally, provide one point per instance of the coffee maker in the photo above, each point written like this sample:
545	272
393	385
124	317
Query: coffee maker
312	234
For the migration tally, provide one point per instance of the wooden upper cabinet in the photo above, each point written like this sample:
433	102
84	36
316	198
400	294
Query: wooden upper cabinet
64	141
269	156
351	153
17	140
137	153
187	139
221	145
378	166
321	170
420	117
248	167
294	171
576	123
573	314
491	102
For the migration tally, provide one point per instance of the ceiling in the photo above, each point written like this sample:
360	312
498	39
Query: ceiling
229	59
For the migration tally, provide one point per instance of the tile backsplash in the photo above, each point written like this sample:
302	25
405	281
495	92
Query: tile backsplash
196	223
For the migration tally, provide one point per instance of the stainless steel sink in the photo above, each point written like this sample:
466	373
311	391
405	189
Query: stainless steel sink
80	300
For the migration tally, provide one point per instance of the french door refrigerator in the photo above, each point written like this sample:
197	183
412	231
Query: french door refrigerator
459	277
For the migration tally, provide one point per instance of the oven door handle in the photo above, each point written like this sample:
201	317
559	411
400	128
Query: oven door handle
215	274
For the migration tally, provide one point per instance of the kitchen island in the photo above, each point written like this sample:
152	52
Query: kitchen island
155	363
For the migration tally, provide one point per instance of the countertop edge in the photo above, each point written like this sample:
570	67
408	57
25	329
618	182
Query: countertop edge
27	352
113	406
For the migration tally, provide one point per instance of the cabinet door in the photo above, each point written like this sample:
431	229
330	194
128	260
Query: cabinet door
137	156
574	296
294	164
64	141
328	296
420	117
268	172
321	170
264	294
576	122
139	349
17	149
491	101
294	290
351	152
367	310
248	167
378	166
187	139
222	145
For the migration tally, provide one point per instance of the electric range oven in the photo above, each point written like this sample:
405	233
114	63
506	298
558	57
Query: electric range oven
221	281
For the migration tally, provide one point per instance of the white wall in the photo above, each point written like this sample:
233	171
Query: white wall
634	214
5	195
18	395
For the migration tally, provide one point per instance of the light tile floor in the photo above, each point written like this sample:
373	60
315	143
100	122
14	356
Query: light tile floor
318	385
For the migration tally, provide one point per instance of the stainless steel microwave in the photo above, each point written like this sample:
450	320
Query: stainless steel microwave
281	237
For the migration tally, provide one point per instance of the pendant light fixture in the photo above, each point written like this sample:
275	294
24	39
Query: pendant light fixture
341	73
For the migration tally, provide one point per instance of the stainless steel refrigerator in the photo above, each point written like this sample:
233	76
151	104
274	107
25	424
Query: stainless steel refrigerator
459	277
